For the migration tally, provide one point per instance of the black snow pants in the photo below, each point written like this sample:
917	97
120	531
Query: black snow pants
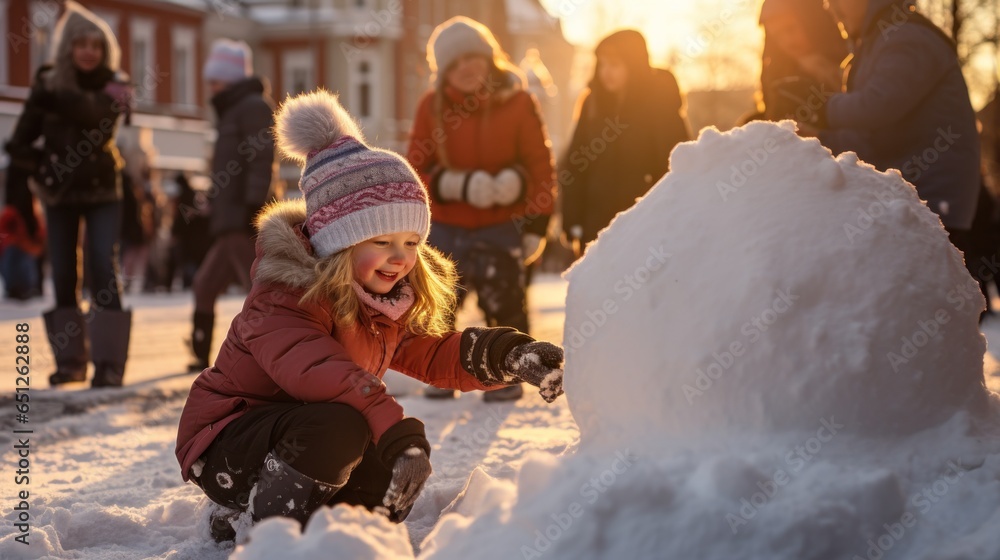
328	442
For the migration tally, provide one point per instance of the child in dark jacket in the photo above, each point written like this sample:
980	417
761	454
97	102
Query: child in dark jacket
294	414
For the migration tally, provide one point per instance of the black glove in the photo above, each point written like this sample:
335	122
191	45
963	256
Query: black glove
503	356
404	449
539	364
411	470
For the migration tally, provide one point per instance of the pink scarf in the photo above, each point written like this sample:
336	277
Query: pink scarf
393	304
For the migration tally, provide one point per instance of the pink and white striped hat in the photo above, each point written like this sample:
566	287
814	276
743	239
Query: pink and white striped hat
353	191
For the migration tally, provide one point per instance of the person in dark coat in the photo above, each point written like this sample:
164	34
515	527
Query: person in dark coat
189	230
74	105
803	50
628	122
242	165
906	107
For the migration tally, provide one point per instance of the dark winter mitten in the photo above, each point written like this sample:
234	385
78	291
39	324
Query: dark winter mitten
411	470
503	356
404	449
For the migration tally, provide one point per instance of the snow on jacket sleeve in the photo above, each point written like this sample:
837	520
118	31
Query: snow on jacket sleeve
435	360
298	352
535	154
908	64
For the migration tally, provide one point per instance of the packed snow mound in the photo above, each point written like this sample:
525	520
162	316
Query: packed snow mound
774	355
763	285
339	532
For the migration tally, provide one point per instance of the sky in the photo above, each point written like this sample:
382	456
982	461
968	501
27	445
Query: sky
708	43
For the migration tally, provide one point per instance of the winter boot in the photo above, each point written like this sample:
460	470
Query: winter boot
201	340
512	393
221	524
109	345
68	337
431	392
282	490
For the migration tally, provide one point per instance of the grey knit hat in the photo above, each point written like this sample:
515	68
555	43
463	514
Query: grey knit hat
456	37
353	191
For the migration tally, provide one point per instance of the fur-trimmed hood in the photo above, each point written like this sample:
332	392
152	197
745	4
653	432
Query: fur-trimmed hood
284	255
75	23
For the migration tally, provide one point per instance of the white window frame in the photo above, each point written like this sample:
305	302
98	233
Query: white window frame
145	30
354	80
183	39
298	59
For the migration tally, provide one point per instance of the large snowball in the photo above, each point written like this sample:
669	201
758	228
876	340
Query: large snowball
763	285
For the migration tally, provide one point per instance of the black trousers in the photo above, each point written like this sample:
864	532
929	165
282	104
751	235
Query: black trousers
328	442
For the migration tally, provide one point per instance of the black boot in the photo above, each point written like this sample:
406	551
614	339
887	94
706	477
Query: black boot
221	524
109	340
201	340
67	333
512	393
284	491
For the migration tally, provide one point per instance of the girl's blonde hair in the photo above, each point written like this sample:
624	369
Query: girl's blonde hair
433	280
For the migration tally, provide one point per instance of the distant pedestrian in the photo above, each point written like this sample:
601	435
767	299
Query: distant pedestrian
906	107
242	167
22	237
189	230
480	147
74	105
628	121
803	51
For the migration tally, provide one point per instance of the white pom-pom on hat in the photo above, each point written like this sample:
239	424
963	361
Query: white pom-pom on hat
312	121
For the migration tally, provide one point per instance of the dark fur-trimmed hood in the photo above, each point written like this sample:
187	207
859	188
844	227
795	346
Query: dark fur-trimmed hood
284	255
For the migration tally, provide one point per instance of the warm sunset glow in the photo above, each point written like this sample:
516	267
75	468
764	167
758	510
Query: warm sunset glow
708	43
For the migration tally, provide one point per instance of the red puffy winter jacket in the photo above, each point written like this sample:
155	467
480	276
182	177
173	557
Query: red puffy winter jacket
279	351
489	134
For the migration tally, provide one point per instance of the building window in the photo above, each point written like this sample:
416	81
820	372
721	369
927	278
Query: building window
4	69
183	65
143	58
364	91
298	75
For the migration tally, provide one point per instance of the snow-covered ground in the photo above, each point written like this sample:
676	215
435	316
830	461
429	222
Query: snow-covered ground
103	479
818	442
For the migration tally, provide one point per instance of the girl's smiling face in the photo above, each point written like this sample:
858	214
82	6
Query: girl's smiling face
382	261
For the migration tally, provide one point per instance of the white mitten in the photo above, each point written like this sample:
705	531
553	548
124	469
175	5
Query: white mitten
449	186
507	187
480	190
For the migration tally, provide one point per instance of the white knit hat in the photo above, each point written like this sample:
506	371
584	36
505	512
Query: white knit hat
353	191
229	61
456	37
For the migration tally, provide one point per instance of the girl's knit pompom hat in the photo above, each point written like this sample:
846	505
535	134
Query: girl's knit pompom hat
353	191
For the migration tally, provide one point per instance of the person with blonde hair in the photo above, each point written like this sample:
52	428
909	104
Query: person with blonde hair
481	149
75	105
294	414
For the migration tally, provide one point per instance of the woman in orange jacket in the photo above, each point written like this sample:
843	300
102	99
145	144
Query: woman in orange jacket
479	145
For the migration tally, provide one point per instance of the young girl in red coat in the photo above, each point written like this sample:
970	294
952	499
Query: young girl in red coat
294	414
